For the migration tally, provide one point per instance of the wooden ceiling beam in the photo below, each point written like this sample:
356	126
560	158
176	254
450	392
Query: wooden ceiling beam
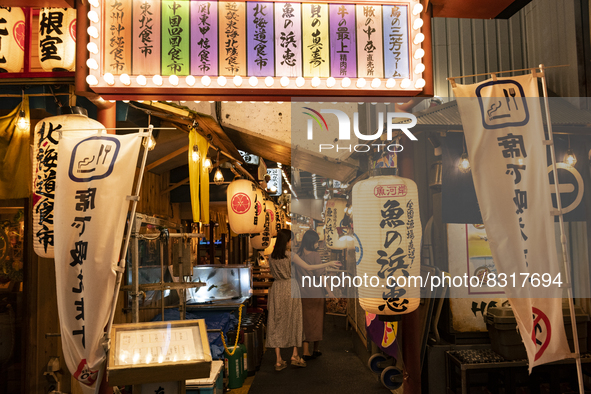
166	158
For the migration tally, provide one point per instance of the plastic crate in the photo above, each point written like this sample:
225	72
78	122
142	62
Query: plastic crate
212	385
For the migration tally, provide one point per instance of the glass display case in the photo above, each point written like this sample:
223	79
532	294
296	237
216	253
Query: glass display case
229	285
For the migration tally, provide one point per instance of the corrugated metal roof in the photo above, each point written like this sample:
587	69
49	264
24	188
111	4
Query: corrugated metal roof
447	115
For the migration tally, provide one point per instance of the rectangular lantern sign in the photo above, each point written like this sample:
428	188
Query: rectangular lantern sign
182	37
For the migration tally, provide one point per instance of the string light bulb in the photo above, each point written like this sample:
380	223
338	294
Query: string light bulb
207	164
464	165
195	154
218	177
22	121
149	143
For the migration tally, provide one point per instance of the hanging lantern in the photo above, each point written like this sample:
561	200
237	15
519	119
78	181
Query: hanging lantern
334	215
12	39
261	209
245	207
57	39
270	248
388	228
45	154
272	212
263	240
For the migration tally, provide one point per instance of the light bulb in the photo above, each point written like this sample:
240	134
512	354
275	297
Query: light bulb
94	3
361	82
390	83
109	78
190	80
141	80
174	80
222	80
149	143
218	177
93	16
405	84
420	83
464	165
207	164
284	81
22	121
300	81
376	82
237	80
330	82
417	24
92	48
157	79
419	53
92	31
345	82
273	189
205	80
420	37
419	68
570	158
315	82
269	81
91	80
125	80
195	154
253	81
417	9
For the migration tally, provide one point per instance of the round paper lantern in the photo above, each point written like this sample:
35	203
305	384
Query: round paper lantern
263	240
57	39
334	215
270	248
261	209
12	39
272	212
245	207
45	155
388	228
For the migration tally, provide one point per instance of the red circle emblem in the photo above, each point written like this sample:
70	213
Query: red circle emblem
541	326
240	203
258	207
73	30
18	31
271	215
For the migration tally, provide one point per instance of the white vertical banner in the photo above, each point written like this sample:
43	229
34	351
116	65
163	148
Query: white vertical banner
95	175
502	122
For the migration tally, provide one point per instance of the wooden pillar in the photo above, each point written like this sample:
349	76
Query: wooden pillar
211	243
223	258
108	117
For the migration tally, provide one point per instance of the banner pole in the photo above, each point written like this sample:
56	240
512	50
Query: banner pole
565	256
121	262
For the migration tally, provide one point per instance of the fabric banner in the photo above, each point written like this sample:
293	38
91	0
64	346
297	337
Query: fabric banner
232	38
259	40
343	50
370	60
14	154
198	178
505	142
396	56
204	41
288	38
315	40
95	176
117	49
176	49
146	37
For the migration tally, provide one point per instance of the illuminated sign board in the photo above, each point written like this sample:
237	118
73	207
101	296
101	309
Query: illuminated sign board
204	48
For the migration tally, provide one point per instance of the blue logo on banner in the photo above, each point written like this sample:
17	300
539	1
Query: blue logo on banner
358	249
93	158
506	110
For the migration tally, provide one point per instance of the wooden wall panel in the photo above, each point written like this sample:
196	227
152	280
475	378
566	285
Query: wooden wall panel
152	201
